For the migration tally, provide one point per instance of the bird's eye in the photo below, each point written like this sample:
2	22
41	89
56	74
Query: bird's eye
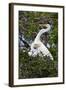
35	47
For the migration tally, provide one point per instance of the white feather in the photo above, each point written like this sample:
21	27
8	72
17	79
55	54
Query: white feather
37	47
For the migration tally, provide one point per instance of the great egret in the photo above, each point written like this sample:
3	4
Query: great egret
37	47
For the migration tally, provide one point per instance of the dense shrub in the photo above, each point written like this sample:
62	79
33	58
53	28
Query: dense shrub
34	67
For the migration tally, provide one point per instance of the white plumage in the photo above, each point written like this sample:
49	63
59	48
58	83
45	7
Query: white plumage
37	47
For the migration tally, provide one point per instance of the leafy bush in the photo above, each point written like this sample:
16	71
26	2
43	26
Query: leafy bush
36	67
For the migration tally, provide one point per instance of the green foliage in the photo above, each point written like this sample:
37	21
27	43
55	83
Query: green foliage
37	67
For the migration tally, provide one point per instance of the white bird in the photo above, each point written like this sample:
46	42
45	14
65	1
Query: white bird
37	47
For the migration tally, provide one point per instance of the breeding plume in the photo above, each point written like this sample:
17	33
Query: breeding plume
37	47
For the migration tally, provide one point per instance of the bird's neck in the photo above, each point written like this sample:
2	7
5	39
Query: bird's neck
42	31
